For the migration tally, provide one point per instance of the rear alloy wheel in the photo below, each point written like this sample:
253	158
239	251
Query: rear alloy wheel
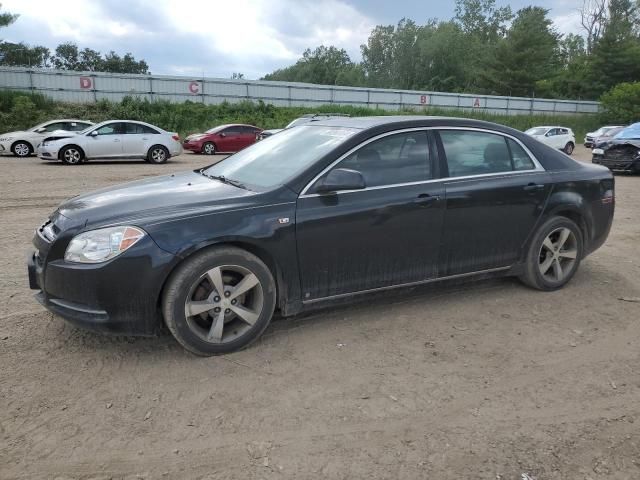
219	301
554	254
157	154
21	149
71	155
568	148
209	148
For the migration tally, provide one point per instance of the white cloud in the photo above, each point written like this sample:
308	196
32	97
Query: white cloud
174	36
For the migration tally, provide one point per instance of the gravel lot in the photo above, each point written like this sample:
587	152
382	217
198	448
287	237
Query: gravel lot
488	380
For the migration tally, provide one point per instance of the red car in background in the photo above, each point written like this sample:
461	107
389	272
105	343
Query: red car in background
222	139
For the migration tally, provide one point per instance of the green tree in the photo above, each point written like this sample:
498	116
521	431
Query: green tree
67	57
528	54
322	65
6	18
616	55
21	55
622	103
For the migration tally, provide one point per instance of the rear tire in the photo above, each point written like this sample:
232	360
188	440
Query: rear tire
21	149
554	254
157	154
209	148
71	155
568	148
219	301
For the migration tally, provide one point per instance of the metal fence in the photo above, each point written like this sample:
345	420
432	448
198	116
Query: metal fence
85	87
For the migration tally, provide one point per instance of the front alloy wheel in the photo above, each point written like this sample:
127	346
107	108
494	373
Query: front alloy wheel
218	301
209	148
224	304
21	149
568	148
71	156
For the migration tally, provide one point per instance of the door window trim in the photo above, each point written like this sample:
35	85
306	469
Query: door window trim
538	166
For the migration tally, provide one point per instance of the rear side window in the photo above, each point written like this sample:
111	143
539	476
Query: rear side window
481	153
521	161
136	128
400	158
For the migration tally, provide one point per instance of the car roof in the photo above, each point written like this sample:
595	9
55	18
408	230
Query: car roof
390	121
128	121
68	120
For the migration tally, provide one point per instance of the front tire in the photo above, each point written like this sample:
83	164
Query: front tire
209	148
157	154
568	148
219	301
554	254
21	149
71	155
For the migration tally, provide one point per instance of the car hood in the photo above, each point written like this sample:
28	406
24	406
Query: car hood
634	142
153	199
14	134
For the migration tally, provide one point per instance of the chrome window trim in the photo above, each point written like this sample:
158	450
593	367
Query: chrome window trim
538	167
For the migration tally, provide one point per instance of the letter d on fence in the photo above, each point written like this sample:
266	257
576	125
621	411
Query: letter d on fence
85	83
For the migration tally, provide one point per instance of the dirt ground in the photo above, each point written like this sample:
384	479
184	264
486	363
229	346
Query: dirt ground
489	380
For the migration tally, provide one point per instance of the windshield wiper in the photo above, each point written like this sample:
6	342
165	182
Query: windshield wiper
223	179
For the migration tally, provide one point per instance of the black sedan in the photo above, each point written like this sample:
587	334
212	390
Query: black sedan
317	213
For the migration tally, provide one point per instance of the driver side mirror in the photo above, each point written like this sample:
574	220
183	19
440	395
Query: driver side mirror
341	179
93	133
41	129
548	134
222	134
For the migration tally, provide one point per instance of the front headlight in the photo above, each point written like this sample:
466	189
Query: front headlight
103	244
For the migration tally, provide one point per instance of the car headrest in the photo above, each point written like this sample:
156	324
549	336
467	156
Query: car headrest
496	156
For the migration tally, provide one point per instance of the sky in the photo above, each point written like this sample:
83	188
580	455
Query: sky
216	38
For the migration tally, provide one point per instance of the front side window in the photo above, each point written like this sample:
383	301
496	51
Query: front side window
111	129
481	153
52	127
395	159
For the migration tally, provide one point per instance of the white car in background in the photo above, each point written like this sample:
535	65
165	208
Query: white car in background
561	138
113	139
24	143
591	138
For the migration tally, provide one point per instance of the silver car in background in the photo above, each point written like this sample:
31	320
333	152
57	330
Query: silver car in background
113	139
24	142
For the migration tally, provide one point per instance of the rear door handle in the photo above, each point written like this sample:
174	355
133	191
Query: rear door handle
533	187
116	139
424	199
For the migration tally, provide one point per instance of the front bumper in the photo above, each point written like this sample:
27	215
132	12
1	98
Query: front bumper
192	146
120	296
617	164
48	152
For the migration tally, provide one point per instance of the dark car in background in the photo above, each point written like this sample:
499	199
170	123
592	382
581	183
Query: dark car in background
318	213
622	152
222	139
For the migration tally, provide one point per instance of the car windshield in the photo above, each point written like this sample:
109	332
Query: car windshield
631	132
274	160
537	131
298	121
216	129
33	129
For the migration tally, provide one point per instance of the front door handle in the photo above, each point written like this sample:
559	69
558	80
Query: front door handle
116	139
424	199
533	187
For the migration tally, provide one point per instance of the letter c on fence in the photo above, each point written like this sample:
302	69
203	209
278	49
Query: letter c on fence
85	83
194	87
